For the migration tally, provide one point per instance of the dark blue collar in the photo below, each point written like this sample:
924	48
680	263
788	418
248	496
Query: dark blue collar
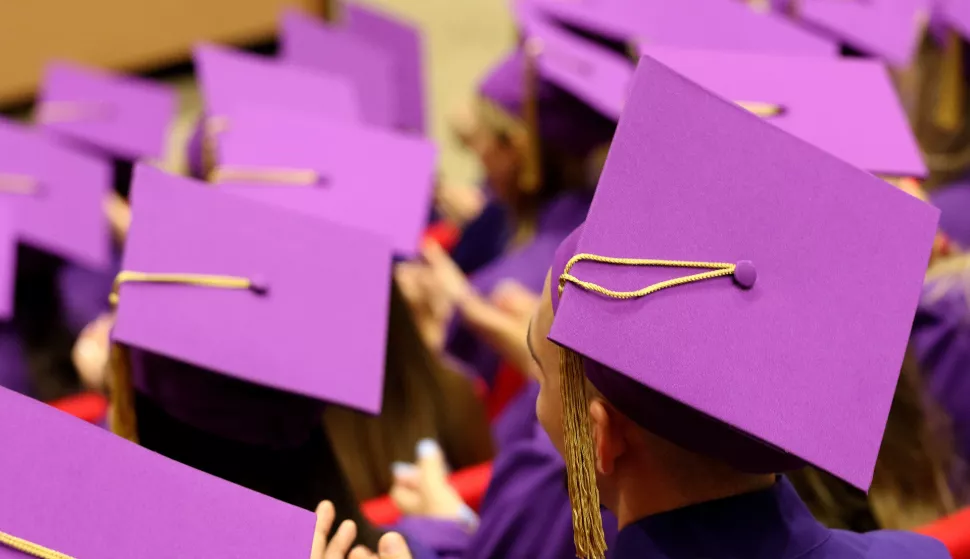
773	523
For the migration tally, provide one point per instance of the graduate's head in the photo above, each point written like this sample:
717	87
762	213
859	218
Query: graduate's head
545	112
747	300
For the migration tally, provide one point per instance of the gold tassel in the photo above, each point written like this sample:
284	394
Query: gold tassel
122	419
531	178
951	102
580	463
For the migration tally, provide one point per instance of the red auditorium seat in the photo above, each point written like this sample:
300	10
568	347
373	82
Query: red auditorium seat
508	383
954	532
471	484
444	233
88	406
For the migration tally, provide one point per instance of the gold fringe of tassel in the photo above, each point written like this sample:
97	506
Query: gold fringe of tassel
532	169
580	464
122	419
951	101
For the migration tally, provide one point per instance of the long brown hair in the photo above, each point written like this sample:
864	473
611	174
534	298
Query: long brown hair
422	399
916	465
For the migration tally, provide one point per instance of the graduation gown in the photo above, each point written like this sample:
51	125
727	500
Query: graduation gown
941	338
768	524
525	513
483	239
528	265
954	204
14	374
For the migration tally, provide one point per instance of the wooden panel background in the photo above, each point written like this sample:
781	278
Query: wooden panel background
132	35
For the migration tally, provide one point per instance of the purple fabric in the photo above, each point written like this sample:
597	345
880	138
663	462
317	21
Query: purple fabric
13	366
84	292
116	500
954	204
518	419
224	406
941	337
564	121
525	513
768	524
527	265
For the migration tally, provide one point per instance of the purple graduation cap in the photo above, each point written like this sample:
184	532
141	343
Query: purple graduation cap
726	24
402	40
738	291
580	93
954	14
308	42
125	117
376	179
73	490
254	291
847	107
229	77
888	29
57	195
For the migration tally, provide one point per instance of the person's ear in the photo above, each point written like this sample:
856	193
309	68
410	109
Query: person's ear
607	435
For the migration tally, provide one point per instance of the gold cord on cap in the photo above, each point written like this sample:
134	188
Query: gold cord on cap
717	269
50	112
759	108
30	548
264	175
202	280
580	460
13	183
122	419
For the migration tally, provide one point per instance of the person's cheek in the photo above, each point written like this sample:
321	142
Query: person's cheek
549	413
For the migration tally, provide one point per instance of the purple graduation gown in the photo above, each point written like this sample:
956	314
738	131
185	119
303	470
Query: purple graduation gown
954	204
13	365
528	265
768	524
941	338
525	513
84	292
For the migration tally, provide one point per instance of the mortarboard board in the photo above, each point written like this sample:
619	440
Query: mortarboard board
847	107
229	77
888	29
124	116
254	291
57	195
309	43
954	14
765	315
402	40
376	179
73	488
306	42
727	25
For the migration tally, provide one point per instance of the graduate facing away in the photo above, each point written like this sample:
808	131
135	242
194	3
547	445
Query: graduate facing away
737	305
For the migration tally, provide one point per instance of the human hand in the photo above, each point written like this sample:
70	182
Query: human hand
459	204
118	213
390	546
91	350
423	489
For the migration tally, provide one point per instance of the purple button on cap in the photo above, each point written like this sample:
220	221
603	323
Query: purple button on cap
744	274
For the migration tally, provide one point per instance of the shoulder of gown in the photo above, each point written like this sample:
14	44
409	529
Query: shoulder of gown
525	513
